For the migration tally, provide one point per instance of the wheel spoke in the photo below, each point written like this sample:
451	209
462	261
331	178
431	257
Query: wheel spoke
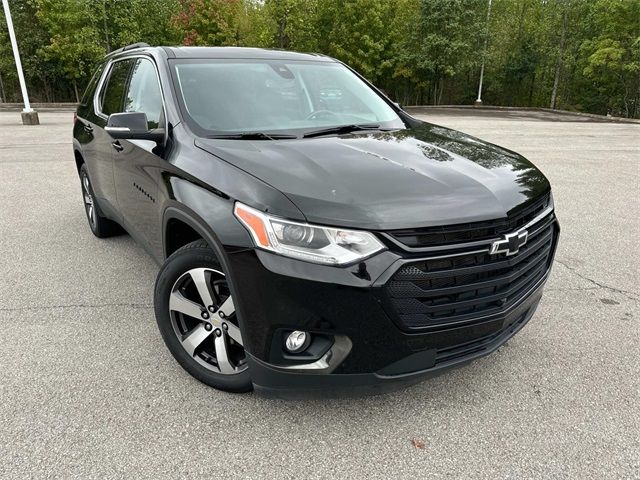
178	303
222	356
214	309
228	308
200	280
194	339
234	332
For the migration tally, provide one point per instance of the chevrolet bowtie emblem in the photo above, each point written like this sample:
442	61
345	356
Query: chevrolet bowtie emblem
510	244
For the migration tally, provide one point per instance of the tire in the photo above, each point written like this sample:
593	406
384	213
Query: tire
101	226
204	339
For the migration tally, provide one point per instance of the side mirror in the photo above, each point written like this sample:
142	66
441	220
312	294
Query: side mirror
132	126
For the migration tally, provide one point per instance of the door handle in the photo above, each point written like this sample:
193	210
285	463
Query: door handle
88	128
117	145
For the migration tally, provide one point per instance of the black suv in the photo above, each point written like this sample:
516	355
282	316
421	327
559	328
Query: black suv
313	236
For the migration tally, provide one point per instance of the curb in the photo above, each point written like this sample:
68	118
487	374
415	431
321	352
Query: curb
48	107
41	107
602	118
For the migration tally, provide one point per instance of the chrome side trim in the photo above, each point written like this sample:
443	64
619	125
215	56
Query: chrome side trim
437	248
536	231
541	216
537	219
117	129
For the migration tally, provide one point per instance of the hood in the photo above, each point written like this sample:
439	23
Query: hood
423	176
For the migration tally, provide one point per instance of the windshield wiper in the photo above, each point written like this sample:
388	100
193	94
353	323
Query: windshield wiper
252	136
342	129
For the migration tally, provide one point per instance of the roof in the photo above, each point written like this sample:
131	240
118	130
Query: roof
242	52
221	52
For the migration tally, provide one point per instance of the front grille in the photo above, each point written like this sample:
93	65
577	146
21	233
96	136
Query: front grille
461	287
469	232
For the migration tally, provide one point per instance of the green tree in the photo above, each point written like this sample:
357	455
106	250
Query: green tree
363	41
572	54
210	22
443	42
287	24
40	74
74	45
612	57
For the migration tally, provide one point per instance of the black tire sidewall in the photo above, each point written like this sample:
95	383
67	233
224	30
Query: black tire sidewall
194	255
84	172
103	226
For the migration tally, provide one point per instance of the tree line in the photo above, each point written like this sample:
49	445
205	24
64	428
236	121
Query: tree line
581	55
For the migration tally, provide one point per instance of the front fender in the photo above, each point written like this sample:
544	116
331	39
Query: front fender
210	214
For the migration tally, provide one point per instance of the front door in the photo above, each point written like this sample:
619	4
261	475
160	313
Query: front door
137	164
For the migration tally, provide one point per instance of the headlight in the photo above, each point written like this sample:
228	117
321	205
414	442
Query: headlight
334	246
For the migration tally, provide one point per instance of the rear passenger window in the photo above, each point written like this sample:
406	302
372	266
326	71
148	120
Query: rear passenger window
113	92
88	92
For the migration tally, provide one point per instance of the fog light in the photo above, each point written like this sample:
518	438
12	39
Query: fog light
297	341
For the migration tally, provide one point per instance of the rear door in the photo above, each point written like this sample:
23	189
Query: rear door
109	100
137	164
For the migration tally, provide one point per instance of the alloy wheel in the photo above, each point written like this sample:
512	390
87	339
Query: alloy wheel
204	320
89	203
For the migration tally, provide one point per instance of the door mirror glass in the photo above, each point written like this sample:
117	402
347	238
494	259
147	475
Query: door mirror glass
132	126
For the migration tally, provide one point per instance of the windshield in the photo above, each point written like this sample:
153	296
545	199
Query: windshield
267	96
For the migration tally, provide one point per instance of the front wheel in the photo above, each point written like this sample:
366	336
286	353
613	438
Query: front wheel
197	319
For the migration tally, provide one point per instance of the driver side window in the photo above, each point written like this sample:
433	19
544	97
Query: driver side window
144	94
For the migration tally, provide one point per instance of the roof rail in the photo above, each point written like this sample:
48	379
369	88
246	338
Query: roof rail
130	47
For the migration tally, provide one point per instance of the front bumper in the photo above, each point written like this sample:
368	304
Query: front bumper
271	381
275	293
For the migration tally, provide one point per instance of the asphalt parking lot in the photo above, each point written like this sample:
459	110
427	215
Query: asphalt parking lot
88	390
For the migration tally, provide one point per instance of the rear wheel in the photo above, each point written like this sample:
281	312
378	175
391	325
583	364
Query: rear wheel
100	226
197	319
